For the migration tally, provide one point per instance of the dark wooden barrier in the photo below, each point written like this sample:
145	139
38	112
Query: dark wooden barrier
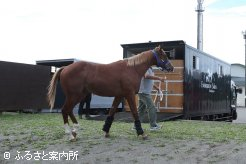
23	86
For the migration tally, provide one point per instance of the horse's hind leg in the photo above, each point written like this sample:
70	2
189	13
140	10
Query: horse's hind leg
75	124
67	109
74	100
66	125
110	118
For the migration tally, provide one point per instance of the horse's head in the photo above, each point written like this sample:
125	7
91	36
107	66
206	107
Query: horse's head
162	59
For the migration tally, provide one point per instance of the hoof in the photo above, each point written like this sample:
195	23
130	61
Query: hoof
107	135
143	136
71	137
74	134
72	140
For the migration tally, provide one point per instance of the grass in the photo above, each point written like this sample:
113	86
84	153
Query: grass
41	130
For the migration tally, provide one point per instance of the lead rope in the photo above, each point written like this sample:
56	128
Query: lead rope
160	94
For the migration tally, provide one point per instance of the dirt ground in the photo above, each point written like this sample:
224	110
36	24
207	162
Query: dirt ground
119	150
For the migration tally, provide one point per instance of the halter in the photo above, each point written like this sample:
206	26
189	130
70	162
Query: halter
158	60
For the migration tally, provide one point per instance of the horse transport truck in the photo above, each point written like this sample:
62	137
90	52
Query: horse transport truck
199	88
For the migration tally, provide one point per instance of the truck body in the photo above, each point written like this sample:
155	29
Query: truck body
200	86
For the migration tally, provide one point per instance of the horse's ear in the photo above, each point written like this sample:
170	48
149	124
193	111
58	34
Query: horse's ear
163	51
158	48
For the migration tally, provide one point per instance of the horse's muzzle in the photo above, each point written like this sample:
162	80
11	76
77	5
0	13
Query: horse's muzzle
170	69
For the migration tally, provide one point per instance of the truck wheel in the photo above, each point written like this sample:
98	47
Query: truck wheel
234	114
205	118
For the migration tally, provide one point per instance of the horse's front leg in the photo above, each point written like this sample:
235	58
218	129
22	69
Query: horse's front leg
133	107
110	118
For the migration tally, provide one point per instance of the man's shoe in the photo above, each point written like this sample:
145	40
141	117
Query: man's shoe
155	128
87	116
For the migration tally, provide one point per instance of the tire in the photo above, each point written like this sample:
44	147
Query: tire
234	114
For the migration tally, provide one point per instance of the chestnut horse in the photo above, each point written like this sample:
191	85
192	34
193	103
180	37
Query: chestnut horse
120	79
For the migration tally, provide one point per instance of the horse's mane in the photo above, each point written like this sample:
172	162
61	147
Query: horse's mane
138	59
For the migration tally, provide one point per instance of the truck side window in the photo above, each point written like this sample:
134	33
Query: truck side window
195	62
220	70
53	69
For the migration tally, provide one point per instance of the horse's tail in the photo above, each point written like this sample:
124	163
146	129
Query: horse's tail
52	88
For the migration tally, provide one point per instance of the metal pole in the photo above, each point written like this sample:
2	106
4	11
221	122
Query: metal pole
244	36
199	11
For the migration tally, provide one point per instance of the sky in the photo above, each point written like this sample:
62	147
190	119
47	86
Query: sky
93	30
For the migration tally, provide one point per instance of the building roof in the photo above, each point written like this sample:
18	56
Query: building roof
239	81
237	70
238	64
57	62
